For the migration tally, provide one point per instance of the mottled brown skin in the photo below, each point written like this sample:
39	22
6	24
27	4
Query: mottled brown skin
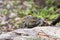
31	22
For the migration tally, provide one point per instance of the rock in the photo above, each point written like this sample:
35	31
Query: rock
8	35
37	33
12	15
41	33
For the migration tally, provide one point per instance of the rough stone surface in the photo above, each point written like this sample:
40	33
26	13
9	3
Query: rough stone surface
37	33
